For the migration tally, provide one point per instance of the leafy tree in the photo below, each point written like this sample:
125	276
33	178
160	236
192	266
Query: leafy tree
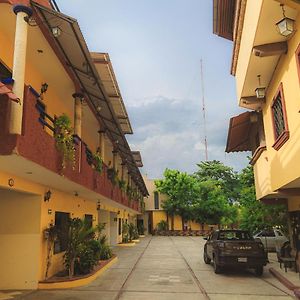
212	206
223	176
255	215
182	189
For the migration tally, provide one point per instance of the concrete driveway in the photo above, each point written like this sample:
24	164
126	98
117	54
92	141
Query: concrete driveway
168	268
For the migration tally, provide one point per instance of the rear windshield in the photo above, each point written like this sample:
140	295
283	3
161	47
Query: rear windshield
234	235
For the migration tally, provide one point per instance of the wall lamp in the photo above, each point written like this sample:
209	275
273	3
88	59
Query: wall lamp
286	25
260	91
44	89
47	196
56	31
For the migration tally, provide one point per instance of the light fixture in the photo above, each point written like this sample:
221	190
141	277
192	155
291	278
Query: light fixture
98	205
286	25
56	31
260	91
44	88
47	196
76	194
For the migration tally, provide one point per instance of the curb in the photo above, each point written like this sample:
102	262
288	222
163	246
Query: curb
77	282
286	282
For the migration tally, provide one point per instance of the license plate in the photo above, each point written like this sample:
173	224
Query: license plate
242	259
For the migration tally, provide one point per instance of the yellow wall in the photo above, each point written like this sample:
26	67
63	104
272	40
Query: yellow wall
262	176
283	161
249	29
63	202
149	201
157	217
274	169
19	240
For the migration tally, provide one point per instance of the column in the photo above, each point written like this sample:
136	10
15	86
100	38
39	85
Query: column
102	143
19	61
78	113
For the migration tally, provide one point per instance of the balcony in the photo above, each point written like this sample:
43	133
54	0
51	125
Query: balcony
37	145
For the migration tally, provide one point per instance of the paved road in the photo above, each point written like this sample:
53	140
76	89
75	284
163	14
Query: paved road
168	268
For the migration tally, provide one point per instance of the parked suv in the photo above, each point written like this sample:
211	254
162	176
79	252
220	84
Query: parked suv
272	239
234	248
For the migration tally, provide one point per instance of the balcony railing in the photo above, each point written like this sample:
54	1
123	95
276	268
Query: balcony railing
38	145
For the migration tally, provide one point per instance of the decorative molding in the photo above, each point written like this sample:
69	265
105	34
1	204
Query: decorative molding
256	155
281	140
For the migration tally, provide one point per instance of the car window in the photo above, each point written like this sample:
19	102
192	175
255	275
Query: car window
234	235
270	233
267	233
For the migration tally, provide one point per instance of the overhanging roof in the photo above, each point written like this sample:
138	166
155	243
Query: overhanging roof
106	72
138	158
223	19
72	47
239	133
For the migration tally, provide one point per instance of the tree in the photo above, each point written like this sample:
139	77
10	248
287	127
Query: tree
182	189
223	176
255	215
211	205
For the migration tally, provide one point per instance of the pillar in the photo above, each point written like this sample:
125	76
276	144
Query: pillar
19	62
78	113
102	143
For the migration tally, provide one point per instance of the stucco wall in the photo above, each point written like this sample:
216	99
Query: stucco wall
19	240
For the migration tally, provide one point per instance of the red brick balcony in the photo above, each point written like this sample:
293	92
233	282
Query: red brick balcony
38	146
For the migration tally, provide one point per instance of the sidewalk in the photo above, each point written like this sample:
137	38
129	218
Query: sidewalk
289	279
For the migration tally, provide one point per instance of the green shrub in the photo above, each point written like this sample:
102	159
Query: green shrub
106	252
162	225
125	233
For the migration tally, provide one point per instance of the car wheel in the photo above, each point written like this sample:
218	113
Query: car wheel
207	260
217	267
259	271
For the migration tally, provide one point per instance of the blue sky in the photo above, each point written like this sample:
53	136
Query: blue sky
156	47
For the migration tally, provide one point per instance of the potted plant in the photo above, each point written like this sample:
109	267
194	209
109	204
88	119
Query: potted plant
63	134
98	162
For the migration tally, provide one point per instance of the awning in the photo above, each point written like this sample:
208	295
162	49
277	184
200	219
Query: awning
223	19
239	133
137	157
106	72
72	47
4	90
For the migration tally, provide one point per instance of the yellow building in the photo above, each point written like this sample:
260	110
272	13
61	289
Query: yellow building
266	65
154	213
47	73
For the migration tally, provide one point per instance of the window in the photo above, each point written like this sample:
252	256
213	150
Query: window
120	226
5	73
156	200
62	224
280	126
89	220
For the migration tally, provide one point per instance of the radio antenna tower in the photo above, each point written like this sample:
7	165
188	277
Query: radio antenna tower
203	112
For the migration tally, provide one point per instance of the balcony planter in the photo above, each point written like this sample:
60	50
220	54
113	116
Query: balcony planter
63	134
98	162
112	176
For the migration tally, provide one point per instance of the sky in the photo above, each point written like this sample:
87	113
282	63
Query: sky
156	48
